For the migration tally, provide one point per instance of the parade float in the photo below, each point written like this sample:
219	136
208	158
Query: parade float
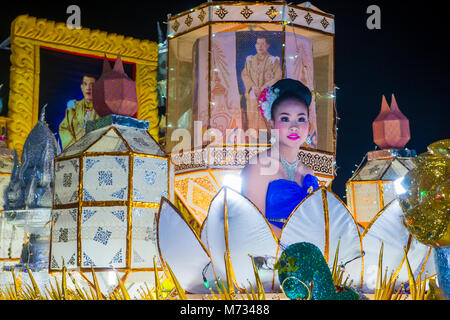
142	211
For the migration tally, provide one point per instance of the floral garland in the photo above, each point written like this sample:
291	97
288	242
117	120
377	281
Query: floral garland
265	101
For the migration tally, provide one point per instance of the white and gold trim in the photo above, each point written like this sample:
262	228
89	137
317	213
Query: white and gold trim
276	12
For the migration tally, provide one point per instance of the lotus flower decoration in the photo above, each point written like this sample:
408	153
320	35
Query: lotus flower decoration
387	228
234	229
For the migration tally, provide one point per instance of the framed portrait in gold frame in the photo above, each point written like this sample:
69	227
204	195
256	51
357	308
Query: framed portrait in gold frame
29	35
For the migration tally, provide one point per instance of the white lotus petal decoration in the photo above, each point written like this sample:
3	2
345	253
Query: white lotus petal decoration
181	249
235	228
234	225
323	220
387	228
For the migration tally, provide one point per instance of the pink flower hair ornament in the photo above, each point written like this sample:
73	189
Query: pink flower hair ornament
265	101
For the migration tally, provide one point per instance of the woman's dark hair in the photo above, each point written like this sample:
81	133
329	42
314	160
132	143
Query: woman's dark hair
291	89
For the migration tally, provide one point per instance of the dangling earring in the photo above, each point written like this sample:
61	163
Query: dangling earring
273	140
308	140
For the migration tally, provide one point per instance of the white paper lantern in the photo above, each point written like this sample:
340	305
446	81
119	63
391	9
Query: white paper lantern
108	187
373	185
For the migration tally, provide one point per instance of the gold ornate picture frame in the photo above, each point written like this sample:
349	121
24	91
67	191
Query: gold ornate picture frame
29	34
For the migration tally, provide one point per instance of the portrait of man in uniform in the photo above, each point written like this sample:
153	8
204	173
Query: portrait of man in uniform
261	70
66	83
78	113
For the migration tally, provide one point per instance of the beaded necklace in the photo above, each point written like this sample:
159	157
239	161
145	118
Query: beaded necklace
289	168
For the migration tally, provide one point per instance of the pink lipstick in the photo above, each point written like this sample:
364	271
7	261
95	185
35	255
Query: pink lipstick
293	136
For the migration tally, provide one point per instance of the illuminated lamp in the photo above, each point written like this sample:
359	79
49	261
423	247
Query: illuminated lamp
377	180
208	93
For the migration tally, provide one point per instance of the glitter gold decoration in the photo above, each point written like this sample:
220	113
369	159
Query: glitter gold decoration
426	203
187	216
326	215
202	199
196	191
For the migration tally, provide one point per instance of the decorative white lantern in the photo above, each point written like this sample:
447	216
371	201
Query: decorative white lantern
375	183
11	237
108	187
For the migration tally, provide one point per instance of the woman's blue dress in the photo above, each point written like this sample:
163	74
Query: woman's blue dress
283	196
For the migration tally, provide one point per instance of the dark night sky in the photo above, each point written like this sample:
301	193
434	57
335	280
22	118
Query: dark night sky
408	57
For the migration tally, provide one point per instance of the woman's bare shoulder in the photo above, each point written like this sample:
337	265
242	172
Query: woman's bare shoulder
251	169
257	167
257	161
304	169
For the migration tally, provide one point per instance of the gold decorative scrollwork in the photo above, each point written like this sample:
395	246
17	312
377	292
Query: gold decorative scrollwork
325	23
29	34
202	15
308	18
21	96
188	20
322	164
175	25
272	12
221	12
246	12
148	97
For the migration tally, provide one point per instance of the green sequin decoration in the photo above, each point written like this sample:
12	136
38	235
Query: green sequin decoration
304	274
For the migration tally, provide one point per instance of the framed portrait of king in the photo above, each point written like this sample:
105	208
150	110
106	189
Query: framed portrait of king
243	64
65	92
55	67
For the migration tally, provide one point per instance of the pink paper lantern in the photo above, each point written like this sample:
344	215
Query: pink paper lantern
391	127
115	92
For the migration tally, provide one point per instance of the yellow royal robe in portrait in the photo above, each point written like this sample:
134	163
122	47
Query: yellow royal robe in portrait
72	128
260	71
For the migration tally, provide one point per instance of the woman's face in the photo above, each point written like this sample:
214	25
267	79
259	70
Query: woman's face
291	121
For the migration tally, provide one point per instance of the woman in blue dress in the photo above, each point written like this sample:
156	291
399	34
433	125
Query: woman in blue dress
275	180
